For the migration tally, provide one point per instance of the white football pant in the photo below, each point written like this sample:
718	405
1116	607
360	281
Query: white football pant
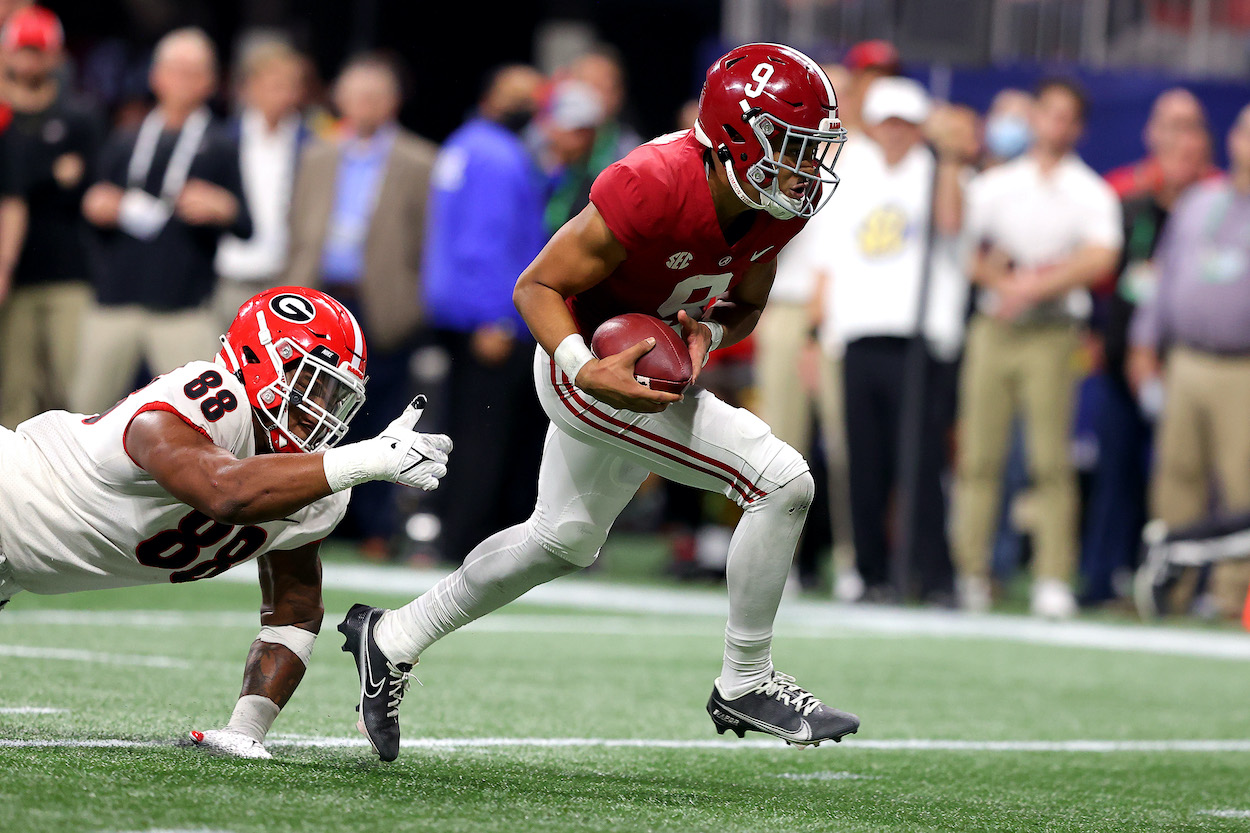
594	460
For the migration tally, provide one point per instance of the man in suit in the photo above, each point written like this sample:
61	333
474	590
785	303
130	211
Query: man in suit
357	221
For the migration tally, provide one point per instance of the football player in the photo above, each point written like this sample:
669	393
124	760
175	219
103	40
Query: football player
685	228
191	475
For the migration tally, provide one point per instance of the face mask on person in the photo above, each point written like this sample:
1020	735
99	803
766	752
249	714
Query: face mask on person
516	120
1007	137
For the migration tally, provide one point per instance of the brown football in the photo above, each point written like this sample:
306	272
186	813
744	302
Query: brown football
665	368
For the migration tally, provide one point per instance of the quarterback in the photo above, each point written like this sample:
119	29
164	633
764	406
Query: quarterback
686	228
189	476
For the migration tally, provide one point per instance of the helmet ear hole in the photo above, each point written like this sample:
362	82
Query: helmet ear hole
734	135
250	356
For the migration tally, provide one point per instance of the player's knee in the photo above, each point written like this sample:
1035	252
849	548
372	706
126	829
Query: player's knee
576	541
796	496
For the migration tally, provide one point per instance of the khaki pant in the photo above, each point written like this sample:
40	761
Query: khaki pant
229	295
1030	369
116	339
785	404
1204	436
39	329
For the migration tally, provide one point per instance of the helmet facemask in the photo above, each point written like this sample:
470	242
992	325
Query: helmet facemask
311	402
807	153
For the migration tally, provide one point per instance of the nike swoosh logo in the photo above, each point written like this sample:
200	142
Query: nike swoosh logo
369	687
760	253
804	732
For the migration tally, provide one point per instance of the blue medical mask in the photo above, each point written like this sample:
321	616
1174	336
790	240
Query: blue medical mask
1007	137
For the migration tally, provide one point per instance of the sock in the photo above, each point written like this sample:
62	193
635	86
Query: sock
253	715
760	554
498	570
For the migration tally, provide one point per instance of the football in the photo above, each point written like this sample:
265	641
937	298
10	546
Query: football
665	368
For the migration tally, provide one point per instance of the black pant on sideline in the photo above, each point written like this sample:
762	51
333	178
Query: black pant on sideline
497	425
874	370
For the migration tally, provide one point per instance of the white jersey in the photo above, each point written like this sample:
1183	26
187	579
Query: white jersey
77	513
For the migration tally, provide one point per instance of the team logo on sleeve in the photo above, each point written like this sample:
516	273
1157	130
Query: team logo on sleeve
291	307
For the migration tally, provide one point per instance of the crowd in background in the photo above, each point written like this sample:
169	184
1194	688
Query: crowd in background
931	341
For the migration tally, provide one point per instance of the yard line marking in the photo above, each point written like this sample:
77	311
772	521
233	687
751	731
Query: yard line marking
827	776
1226	814
886	745
145	660
807	613
30	710
497	623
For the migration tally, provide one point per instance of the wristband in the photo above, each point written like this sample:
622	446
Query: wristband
572	355
346	466
718	333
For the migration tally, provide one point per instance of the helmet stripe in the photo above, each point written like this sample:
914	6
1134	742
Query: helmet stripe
358	340
813	66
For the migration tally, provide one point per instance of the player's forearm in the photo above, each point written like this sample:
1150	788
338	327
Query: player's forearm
544	312
264	488
738	319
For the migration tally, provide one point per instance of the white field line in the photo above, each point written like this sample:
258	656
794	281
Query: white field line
68	655
30	710
1226	814
496	623
806	614
899	745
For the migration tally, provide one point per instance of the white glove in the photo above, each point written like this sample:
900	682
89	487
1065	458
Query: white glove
398	455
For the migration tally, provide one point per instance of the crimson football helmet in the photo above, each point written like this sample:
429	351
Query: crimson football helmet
766	108
301	356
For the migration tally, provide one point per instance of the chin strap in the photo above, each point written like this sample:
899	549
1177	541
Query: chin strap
773	207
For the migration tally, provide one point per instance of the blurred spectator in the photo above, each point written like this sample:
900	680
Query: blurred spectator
573	116
485	226
876	233
602	69
357	231
1175	112
688	113
1117	502
1201	311
1044	227
865	62
50	141
163	197
1007	129
271	135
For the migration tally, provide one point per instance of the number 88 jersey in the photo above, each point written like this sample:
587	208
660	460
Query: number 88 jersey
77	513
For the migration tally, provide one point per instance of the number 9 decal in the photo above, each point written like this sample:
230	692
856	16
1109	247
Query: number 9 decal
761	74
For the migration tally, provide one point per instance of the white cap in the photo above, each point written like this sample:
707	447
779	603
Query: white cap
895	97
575	105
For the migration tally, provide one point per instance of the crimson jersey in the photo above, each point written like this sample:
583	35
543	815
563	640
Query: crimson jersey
657	203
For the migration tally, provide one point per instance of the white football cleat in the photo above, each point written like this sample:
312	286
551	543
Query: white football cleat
1053	599
230	743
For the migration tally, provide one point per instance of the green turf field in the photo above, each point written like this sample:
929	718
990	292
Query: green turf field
588	715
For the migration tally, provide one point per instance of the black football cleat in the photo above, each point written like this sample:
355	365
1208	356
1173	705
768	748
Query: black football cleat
783	709
382	683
